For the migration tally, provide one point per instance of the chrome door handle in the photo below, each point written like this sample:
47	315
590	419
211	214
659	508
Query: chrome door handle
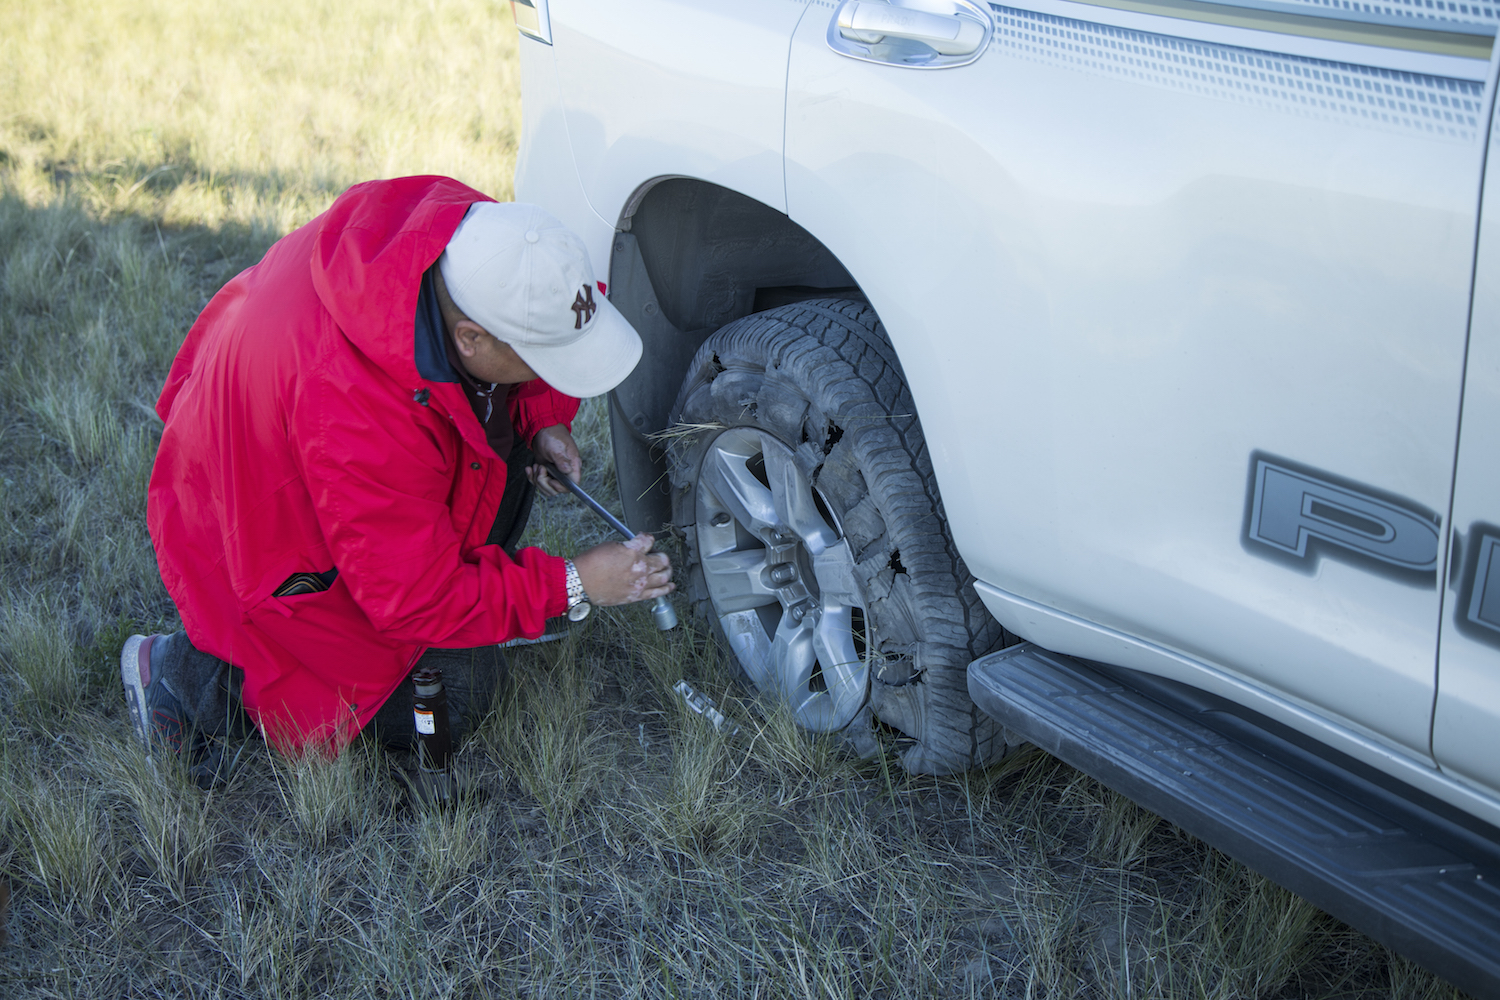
919	34
947	35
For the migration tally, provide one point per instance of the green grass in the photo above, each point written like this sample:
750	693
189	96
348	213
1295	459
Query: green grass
616	846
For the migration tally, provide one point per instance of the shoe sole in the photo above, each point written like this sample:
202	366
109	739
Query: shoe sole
137	653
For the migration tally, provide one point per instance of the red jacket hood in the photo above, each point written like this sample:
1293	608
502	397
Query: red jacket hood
371	249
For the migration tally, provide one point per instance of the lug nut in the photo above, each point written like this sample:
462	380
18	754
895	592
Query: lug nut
783	574
720	519
803	610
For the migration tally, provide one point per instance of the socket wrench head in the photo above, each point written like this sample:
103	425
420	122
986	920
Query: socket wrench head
664	614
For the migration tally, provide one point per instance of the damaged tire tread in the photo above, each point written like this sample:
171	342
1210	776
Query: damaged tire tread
821	376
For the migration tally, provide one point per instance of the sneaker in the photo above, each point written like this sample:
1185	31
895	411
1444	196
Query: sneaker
156	714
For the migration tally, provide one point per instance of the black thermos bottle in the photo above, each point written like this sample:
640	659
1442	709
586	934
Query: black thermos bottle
430	707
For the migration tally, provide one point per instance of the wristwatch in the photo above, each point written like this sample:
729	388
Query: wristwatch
578	602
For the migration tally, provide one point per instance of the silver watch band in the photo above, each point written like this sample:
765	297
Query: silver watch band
578	601
576	596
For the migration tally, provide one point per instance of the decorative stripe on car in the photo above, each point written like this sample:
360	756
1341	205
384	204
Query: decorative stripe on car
1366	95
1424	10
1431	36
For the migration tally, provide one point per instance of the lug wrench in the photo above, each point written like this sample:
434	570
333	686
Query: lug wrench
662	611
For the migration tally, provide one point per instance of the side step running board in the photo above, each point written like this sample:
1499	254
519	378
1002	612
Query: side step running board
1406	869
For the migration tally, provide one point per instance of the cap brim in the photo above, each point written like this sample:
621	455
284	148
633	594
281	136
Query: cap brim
593	364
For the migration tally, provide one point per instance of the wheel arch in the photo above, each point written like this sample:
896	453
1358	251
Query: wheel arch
688	257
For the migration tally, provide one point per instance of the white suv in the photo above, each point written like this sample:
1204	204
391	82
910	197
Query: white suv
1120	376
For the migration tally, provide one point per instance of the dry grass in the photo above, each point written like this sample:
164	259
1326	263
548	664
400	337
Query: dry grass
615	844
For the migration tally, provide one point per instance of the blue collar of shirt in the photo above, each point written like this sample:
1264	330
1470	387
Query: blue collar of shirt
431	349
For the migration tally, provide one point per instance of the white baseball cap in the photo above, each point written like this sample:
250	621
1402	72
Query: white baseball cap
526	278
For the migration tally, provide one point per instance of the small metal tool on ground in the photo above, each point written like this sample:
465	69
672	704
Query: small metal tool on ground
662	611
703	705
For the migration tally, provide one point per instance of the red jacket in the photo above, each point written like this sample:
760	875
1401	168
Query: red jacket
299	437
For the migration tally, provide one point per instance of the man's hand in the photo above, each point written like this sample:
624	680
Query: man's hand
624	572
554	444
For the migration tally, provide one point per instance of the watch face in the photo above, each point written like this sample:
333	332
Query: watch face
579	611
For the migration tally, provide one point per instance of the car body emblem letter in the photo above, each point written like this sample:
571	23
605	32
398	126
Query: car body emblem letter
1474	569
1300	514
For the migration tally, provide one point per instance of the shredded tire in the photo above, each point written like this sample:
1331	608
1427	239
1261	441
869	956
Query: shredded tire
822	378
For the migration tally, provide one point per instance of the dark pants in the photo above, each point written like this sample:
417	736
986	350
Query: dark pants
209	688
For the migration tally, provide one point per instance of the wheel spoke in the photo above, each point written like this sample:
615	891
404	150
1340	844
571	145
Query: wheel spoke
735	581
793	498
844	673
747	636
834	568
736	488
794	658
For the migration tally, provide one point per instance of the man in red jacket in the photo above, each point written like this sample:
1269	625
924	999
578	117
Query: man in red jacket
346	468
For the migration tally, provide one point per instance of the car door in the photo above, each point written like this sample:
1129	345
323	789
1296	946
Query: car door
1466	723
1181	290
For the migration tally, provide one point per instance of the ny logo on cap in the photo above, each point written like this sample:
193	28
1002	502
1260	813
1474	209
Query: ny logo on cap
583	307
